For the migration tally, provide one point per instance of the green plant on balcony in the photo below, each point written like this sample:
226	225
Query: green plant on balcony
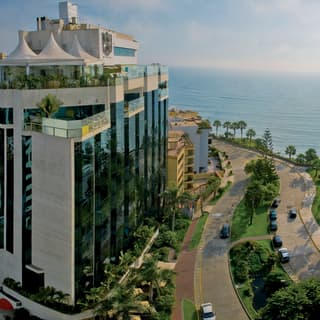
49	105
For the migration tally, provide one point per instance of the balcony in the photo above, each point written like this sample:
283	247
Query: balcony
163	93
71	128
133	107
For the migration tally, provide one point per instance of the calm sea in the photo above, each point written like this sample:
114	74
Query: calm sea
287	104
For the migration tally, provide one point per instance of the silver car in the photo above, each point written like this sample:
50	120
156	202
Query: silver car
207	312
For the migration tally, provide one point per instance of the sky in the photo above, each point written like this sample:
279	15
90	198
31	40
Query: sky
271	35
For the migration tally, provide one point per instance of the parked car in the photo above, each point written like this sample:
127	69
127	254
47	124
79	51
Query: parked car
277	241
293	213
275	203
284	255
273	226
225	231
273	214
207	312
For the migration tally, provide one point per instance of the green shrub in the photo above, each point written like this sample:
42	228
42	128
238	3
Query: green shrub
241	272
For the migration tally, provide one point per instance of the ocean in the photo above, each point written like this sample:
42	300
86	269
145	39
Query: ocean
286	103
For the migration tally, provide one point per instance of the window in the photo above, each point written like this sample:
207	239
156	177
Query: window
6	116
125	52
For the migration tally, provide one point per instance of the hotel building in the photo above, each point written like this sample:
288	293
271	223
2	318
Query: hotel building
75	185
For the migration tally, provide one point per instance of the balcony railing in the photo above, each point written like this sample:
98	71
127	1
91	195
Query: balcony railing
134	106
71	128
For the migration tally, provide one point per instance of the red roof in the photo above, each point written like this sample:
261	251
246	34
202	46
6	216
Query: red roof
5	304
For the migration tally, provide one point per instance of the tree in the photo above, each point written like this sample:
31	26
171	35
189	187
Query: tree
310	155
173	202
267	142
120	303
315	165
262	170
214	184
151	274
297	301
49	104
250	134
216	124
274	281
253	197
290	151
242	125
301	158
227	125
234	126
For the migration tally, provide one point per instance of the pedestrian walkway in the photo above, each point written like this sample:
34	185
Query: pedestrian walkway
184	273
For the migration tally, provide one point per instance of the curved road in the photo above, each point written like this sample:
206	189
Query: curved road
212	278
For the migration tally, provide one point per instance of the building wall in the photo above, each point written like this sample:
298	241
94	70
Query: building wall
53	210
54	232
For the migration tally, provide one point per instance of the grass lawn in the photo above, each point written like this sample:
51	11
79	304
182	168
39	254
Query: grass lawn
316	202
198	232
189	310
241	219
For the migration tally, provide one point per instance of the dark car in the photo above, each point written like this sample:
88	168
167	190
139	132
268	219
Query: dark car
277	241
275	203
225	231
293	213
273	226
273	214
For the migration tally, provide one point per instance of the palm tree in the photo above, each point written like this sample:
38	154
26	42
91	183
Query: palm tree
234	126
120	303
49	104
214	184
150	273
242	125
227	125
173	201
291	151
250	134
217	124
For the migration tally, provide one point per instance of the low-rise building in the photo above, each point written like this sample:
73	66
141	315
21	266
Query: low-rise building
180	161
198	131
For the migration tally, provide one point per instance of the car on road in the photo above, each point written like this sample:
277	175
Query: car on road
273	214
273	226
275	203
284	255
277	241
207	312
225	231
293	213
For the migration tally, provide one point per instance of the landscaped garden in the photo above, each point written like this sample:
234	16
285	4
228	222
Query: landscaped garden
257	273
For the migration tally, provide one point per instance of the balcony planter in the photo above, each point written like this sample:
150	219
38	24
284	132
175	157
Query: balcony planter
53	84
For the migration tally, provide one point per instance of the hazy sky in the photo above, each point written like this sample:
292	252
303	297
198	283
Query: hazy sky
242	34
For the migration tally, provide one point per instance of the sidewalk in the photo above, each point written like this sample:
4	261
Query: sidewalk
185	273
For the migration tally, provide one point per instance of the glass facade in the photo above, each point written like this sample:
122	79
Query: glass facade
26	207
6	189
10	191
